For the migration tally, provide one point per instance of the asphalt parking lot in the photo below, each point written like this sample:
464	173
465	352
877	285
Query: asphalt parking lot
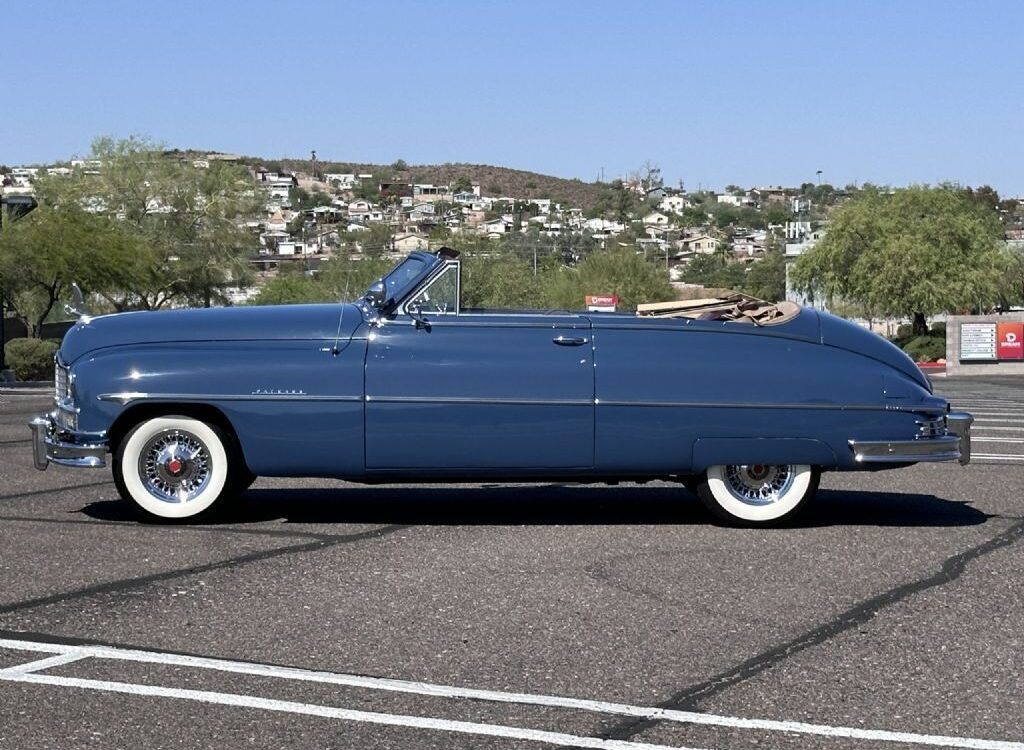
321	614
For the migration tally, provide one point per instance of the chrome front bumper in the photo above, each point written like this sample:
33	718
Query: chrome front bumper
51	445
954	446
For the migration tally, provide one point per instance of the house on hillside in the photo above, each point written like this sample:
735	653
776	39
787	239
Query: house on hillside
703	244
430	193
406	243
749	245
674	203
656	219
340	180
359	207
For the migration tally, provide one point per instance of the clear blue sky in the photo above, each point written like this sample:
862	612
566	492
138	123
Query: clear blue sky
714	92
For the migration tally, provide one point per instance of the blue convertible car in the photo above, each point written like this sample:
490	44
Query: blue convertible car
744	402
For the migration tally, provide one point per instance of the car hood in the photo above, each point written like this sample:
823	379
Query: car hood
255	323
843	334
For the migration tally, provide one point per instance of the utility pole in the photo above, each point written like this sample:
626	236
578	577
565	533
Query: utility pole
3	332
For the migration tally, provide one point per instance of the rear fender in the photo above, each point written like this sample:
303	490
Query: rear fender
715	451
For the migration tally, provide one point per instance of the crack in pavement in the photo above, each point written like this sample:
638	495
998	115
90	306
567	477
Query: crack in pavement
126	584
136	526
689	698
55	490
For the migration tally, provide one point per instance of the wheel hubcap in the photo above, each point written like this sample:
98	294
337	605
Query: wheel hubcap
175	466
758	484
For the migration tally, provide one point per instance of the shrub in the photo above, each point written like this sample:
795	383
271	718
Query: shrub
926	348
905	331
938	329
31	359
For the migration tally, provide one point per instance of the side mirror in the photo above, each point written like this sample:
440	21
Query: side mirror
376	294
416	314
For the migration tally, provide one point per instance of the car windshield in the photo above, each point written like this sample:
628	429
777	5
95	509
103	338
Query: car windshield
399	277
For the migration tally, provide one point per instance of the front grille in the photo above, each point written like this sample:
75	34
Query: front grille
930	428
60	380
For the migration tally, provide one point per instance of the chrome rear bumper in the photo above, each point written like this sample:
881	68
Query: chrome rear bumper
50	445
954	446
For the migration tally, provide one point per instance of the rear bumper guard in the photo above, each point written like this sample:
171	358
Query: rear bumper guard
954	446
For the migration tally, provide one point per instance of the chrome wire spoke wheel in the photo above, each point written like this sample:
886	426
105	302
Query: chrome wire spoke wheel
758	484
175	466
757	494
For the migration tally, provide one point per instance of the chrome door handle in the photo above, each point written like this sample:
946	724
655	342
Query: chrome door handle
569	340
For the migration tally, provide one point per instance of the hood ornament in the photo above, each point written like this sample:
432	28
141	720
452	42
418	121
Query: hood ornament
77	306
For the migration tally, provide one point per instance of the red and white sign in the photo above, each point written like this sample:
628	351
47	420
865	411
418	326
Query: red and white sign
602	302
1010	341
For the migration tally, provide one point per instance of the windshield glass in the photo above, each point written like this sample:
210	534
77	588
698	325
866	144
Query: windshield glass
399	277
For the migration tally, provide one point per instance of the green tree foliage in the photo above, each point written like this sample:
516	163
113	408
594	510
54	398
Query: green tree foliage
715	271
766	278
345	278
916	252
41	255
190	220
1015	278
617	202
290	289
500	280
303	200
31	359
620	271
342	278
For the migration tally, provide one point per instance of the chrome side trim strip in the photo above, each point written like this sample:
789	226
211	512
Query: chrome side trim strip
474	400
128	396
461	322
748	405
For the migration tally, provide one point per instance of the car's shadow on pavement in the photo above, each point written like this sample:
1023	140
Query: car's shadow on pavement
547	505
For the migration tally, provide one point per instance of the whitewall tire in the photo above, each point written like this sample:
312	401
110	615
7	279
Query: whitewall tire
172	467
757	494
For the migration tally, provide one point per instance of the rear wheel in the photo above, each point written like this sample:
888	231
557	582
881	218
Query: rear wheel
757	494
173	468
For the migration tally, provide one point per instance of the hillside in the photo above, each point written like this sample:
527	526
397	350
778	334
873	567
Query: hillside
494	181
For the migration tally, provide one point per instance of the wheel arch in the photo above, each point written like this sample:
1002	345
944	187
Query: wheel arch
138	413
720	451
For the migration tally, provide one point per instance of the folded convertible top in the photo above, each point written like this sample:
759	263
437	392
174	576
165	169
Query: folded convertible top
739	308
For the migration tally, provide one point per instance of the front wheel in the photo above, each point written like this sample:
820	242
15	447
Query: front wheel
757	494
172	467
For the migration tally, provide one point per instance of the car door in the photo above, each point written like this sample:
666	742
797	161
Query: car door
448	390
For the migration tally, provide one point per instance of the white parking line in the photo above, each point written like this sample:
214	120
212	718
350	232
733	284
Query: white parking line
998	457
976	439
28	673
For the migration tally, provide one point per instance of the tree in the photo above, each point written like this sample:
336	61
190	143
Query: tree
191	219
303	200
290	289
52	247
499	280
344	278
766	278
620	271
916	251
